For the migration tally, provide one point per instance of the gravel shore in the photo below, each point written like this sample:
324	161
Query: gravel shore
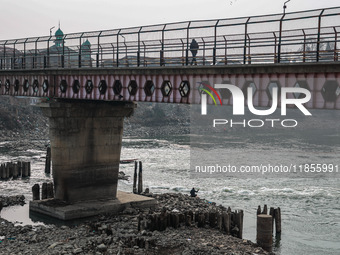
118	234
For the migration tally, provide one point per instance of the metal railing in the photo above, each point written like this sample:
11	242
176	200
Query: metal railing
307	36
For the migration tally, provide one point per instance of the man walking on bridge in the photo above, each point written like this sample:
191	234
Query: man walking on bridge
194	48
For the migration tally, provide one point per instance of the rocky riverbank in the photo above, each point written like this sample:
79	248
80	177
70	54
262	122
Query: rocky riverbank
11	200
119	234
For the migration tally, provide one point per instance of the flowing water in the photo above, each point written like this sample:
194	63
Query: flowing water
310	207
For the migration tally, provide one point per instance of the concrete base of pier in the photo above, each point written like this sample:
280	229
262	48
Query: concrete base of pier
66	211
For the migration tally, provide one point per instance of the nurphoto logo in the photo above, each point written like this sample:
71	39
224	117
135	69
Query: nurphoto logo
239	105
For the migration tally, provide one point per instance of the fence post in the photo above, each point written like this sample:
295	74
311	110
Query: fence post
98	48
118	48
335	44
304	45
187	49
138	50
215	43
280	40
319	37
13	62
245	41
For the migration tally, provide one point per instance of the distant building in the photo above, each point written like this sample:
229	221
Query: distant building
59	53
9	57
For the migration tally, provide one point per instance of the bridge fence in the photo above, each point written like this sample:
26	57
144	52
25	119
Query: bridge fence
306	36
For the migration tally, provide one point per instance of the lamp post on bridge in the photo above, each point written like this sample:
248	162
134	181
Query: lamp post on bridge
51	30
285	7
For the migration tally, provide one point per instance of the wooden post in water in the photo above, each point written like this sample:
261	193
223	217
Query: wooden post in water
15	171
271	213
277	213
2	171
28	168
265	210
44	191
7	171
50	191
24	169
264	231
10	168
258	210
48	160
36	192
140	178
226	222
239	222
212	219
19	163
135	178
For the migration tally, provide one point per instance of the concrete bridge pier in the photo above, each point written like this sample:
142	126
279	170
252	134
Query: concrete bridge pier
86	140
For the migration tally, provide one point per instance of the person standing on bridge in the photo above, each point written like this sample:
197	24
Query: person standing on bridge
194	48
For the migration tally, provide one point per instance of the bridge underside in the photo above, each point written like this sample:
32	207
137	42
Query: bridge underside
177	84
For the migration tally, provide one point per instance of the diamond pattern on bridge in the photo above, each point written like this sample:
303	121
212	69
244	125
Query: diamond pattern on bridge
35	86
7	85
117	87
132	88
249	84
273	84
76	86
26	85
225	93
166	88
184	88
102	87
89	86
45	86
149	88
63	86
301	84
330	91
16	85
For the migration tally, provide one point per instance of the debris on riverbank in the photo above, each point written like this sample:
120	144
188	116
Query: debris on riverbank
118	234
12	200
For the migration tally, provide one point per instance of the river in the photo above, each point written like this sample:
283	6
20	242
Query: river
310	207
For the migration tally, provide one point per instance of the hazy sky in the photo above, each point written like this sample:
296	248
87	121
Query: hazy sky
29	18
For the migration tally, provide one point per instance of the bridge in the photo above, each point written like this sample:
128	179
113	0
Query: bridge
92	79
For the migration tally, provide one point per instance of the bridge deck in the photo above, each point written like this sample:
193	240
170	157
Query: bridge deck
176	84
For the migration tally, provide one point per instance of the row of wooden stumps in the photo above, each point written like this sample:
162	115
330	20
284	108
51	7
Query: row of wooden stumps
265	226
228	222
47	191
15	170
138	187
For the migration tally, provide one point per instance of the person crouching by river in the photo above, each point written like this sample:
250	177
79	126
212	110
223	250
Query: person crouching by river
193	192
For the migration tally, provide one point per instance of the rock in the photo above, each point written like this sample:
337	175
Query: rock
54	245
102	247
77	251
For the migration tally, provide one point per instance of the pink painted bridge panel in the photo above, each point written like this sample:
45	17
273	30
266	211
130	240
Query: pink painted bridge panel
171	88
